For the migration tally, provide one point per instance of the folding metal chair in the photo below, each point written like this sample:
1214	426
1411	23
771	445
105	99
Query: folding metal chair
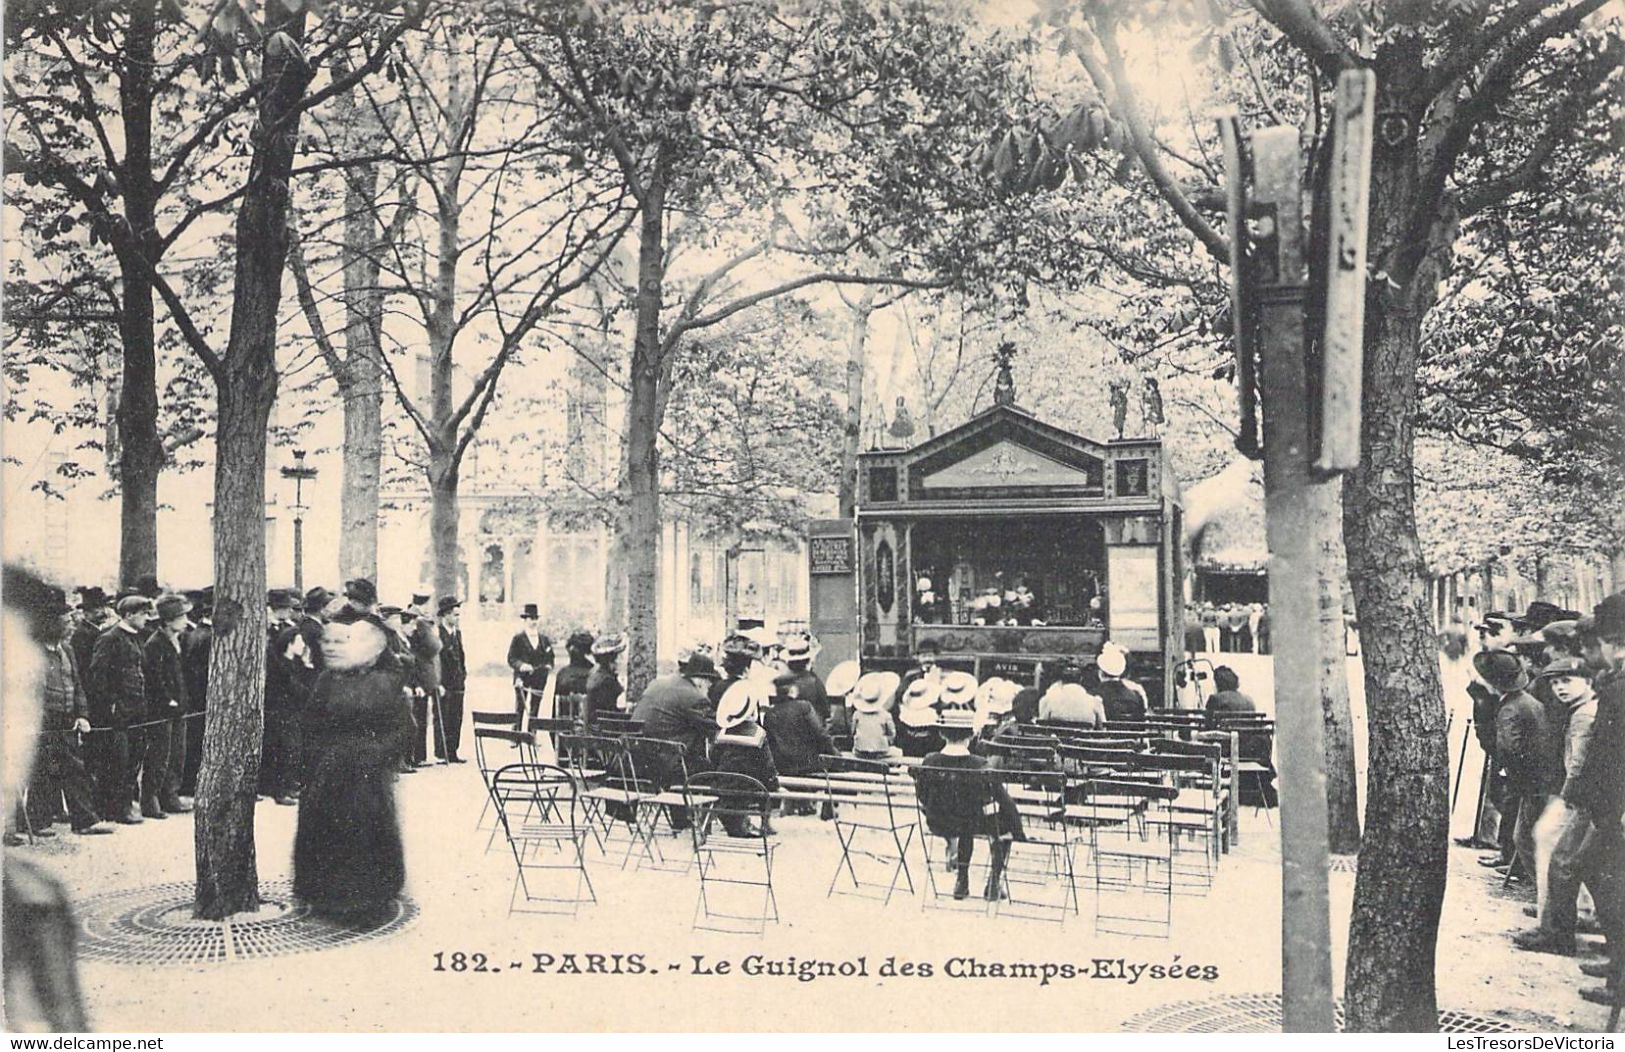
663	765
538	805
551	727
611	789
936	788
1197	812
741	859
1131	857
1040	877
873	820
489	744
569	706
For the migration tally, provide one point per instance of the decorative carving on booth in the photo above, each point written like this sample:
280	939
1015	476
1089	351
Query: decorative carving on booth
885	576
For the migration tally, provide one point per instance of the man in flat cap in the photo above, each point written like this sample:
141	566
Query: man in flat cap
164	744
118	698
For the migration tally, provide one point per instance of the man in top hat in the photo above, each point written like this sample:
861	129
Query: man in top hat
453	681
164	752
799	650
1522	746
423	636
117	694
530	655
1120	698
604	688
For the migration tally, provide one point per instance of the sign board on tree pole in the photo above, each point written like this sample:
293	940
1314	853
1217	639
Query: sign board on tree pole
1342	346
1278	269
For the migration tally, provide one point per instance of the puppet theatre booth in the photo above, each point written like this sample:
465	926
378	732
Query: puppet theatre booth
1014	546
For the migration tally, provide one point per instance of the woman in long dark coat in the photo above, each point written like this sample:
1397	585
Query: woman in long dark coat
348	862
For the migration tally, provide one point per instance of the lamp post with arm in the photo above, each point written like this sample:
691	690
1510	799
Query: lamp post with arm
299	473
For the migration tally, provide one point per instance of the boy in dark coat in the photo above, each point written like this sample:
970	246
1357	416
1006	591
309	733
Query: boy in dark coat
117	689
962	809
165	744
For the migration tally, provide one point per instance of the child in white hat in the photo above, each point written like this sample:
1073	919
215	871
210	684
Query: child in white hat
740	746
873	729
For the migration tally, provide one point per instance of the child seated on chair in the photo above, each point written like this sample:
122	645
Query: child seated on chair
873	729
962	809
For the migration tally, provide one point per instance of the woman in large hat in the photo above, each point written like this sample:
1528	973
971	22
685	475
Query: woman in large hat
603	685
348	861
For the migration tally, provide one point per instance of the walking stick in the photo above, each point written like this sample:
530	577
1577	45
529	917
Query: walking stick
1461	766
440	724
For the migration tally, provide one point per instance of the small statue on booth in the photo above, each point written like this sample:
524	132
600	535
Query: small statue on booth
1119	405
1151	407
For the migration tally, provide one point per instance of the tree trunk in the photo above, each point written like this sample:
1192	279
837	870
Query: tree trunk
1399	891
1342	784
638	535
142	455
227	873
443	510
852	435
362	383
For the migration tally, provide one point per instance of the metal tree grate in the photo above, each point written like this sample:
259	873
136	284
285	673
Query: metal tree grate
154	926
1261	1014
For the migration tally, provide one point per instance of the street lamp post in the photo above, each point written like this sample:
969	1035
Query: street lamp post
299	473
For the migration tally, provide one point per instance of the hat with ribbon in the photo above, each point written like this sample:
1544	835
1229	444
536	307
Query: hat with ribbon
604	646
918	707
1113	661
958	689
740	703
996	697
800	647
874	691
842	678
1501	670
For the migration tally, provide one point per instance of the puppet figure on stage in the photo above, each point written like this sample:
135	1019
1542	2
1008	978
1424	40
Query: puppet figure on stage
348	862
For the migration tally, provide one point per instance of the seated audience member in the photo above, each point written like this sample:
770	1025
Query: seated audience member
794	732
873	729
740	747
1227	695
962	809
1068	702
842	681
917	717
1122	699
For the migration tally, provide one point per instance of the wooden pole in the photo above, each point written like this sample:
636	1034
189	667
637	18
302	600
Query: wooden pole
1290	503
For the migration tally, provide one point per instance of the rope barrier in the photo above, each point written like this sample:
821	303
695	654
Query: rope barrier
132	727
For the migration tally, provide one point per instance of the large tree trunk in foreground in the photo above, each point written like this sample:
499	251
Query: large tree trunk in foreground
1399	891
141	453
227	873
